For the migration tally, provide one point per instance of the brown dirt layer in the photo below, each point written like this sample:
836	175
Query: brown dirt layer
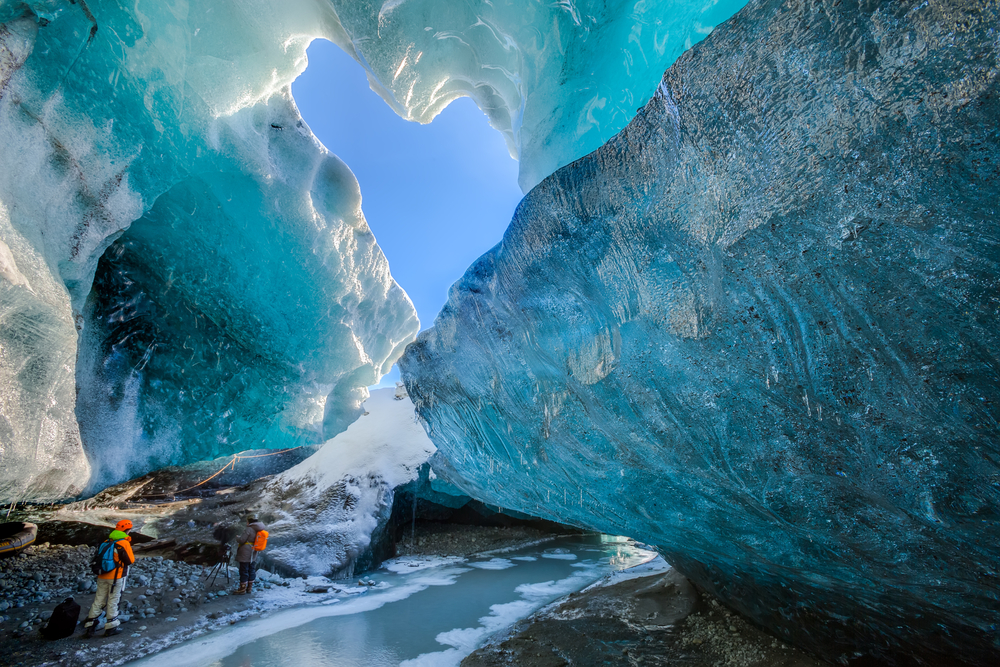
449	539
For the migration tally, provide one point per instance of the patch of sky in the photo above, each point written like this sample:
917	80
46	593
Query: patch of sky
436	196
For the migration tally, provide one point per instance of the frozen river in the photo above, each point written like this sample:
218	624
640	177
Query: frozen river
420	612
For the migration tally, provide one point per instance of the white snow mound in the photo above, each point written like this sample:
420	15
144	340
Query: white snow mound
329	505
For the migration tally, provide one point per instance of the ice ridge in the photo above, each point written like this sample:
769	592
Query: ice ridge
758	328
556	79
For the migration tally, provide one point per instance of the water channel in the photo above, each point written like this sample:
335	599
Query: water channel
421	612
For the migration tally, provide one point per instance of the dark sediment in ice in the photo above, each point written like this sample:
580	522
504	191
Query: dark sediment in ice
758	329
304	528
438	501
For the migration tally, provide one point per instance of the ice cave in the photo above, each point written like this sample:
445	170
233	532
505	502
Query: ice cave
739	336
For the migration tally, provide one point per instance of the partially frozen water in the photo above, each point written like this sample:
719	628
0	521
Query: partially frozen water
423	612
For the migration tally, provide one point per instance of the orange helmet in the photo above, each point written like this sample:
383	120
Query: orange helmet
123	525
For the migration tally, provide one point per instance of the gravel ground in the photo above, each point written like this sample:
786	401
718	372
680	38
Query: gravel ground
164	601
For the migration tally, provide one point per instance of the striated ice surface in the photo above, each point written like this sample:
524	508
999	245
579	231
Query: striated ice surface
38	429
759	329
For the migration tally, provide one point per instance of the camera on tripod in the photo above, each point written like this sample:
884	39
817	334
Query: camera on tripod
223	556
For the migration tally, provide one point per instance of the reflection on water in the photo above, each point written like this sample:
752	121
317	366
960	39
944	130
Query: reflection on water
432	615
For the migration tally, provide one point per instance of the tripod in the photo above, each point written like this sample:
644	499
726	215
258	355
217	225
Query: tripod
221	565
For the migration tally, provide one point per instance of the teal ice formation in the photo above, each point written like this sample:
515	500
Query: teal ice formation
747	311
186	271
759	329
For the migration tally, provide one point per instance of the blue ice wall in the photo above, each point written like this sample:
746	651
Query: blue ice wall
188	271
759	328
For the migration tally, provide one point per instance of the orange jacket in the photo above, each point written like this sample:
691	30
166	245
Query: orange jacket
125	542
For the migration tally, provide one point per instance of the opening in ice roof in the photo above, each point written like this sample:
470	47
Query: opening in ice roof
436	196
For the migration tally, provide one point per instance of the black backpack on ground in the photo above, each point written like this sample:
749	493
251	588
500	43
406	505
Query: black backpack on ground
63	621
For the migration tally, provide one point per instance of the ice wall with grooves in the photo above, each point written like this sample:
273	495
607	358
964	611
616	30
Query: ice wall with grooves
759	328
241	285
558	79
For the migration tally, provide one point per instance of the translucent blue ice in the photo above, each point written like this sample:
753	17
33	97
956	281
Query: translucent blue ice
759	329
242	301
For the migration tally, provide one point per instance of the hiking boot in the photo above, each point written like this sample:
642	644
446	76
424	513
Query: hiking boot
249	588
91	631
242	589
111	632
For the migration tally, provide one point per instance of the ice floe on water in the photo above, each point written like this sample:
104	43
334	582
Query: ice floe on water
492	564
558	554
654	566
524	559
406	564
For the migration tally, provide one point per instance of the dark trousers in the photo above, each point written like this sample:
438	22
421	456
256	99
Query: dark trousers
248	573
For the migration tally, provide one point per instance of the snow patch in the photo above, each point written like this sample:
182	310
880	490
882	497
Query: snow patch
406	564
493	564
329	505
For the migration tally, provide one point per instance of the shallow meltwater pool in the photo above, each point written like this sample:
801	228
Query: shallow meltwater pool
421	611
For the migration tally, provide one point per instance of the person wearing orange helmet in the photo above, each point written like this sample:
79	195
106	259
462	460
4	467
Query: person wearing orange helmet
110	564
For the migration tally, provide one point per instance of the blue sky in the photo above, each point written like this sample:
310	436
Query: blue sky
436	196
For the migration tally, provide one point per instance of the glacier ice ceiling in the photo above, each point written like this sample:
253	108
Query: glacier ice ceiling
241	286
186	271
558	79
759	329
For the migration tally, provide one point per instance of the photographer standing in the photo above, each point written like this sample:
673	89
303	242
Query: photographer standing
110	564
246	552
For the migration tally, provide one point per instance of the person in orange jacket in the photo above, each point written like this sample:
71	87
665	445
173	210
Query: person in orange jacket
116	555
